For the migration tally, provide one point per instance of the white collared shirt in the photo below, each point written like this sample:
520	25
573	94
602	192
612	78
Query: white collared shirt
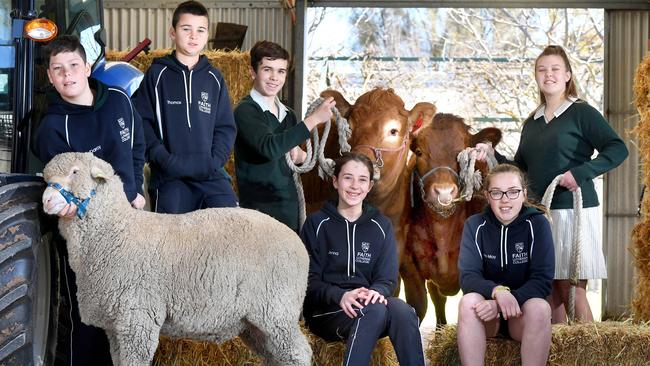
541	111
261	101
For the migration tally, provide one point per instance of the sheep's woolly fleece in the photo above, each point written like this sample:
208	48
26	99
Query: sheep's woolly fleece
210	275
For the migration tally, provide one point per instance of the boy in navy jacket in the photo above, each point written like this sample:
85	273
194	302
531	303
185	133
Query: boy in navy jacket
85	115
188	122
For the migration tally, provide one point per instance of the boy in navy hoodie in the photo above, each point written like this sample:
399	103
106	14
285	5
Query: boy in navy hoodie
85	115
188	122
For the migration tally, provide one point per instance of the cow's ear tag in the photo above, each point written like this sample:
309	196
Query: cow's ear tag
417	124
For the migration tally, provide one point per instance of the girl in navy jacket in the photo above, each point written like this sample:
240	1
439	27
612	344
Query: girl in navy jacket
353	272
506	264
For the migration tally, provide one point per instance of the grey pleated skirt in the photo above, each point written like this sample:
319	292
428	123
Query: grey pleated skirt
592	264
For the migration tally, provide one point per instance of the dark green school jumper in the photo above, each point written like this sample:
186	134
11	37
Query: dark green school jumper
264	179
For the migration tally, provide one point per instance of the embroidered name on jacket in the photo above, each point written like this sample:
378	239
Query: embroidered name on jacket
204	105
363	256
520	256
125	133
174	102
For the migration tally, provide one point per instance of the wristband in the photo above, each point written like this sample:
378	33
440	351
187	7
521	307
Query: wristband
499	289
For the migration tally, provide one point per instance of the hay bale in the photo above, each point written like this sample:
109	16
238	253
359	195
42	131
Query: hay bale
606	343
234	66
234	352
641	233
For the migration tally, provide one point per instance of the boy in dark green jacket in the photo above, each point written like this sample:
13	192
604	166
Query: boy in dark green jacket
266	131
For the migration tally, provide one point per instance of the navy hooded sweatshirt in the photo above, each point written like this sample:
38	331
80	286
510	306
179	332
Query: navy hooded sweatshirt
519	255
346	255
187	119
111	129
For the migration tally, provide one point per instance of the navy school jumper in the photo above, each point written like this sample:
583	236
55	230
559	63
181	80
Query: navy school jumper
190	131
346	255
111	129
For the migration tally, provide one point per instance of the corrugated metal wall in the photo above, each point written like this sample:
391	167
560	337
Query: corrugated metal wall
626	44
128	23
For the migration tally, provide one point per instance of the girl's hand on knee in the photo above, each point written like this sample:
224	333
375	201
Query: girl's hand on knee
508	304
372	296
486	310
350	300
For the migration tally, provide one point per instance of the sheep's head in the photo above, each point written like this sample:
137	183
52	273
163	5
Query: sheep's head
73	177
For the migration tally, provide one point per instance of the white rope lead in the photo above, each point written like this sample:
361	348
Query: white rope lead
576	245
315	153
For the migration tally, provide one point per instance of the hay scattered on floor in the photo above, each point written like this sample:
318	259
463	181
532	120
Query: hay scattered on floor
606	343
235	352
234	66
641	233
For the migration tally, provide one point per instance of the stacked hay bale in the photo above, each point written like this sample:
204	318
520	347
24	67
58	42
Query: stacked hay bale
234	352
606	343
641	232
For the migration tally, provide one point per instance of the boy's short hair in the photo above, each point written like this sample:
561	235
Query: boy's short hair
65	43
189	7
267	49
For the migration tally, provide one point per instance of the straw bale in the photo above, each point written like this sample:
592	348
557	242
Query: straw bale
641	233
234	65
607	343
234	352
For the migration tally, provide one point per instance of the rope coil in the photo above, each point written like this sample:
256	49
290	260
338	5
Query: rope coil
576	245
315	153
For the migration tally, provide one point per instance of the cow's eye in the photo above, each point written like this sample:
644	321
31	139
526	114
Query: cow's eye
75	171
418	152
394	131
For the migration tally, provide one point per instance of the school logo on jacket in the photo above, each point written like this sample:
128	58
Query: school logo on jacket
204	105
125	133
521	256
363	256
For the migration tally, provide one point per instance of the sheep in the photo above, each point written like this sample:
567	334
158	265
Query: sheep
209	275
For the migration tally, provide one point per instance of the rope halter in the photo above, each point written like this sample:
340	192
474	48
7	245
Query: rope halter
468	180
71	198
377	152
444	209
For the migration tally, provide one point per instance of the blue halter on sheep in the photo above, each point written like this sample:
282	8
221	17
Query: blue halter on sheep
210	275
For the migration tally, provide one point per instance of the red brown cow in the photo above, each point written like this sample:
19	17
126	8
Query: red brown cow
381	129
436	222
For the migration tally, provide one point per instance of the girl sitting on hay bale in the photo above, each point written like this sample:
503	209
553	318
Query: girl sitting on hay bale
506	265
353	272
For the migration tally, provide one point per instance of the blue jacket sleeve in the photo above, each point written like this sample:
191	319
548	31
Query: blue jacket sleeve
50	141
225	130
470	265
138	151
318	291
384	273
542	264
